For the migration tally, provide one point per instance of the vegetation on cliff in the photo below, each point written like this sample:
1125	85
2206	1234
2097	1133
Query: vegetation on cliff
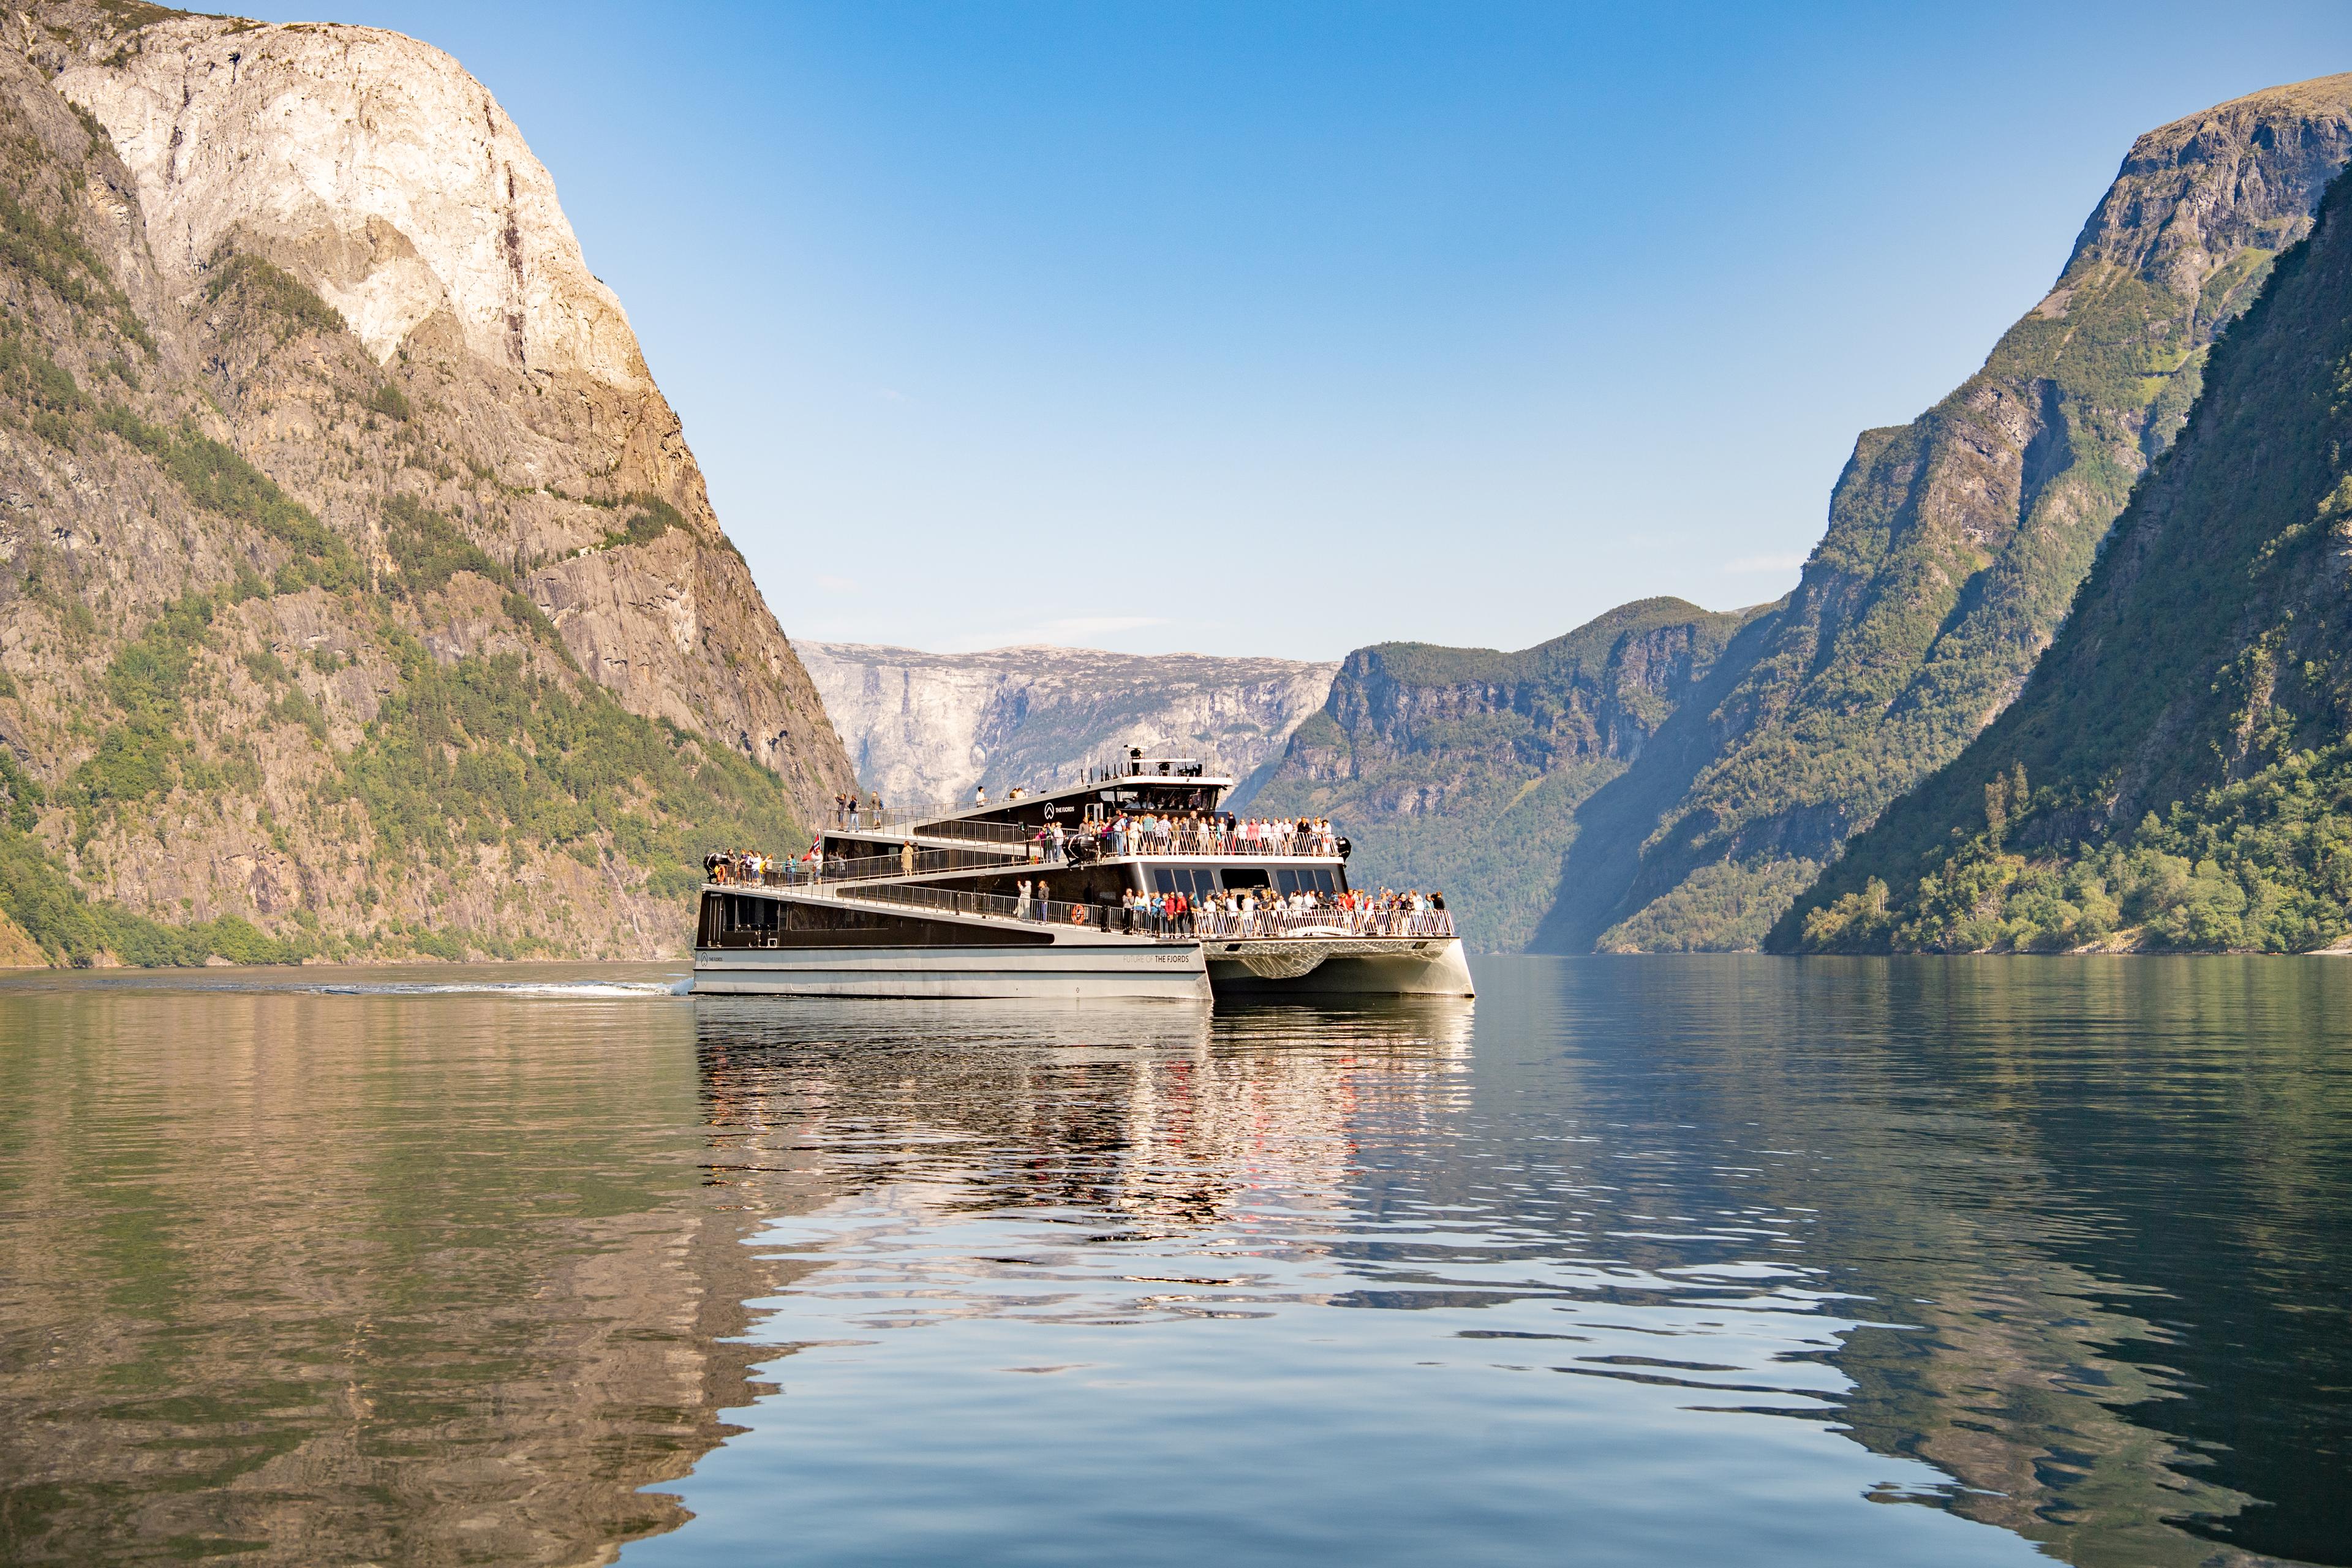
1466	770
281	675
1956	543
2174	774
1953	548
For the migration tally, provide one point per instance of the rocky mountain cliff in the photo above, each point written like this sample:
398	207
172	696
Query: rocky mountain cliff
359	594
2177	773
928	726
1466	770
1955	542
1954	546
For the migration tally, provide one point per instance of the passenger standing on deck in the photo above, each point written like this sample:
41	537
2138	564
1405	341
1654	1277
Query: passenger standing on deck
1021	904
907	859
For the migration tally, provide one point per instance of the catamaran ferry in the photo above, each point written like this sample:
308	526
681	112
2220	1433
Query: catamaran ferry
1131	882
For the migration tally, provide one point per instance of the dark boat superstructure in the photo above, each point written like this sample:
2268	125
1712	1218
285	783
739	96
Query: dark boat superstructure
929	902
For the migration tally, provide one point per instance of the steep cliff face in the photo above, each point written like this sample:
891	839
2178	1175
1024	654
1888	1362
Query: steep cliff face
1464	770
352	552
2177	773
924	726
1956	543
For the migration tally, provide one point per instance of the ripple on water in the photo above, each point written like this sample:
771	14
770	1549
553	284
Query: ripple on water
1633	1262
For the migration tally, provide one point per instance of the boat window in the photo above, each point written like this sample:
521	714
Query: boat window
750	914
1239	877
1317	880
1286	879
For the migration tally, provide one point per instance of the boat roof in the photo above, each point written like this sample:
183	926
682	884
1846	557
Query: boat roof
1108	785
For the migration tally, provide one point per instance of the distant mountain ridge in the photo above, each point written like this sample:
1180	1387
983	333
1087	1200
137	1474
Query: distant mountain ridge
1463	770
1953	548
924	726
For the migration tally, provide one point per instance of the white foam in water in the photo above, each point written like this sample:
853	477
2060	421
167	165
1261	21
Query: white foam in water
584	990
560	990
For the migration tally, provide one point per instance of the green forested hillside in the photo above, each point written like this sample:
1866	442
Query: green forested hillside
1955	542
1464	770
2177	771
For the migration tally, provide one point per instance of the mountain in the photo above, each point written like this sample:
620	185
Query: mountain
359	595
1955	542
1464	770
1954	545
931	726
2177	773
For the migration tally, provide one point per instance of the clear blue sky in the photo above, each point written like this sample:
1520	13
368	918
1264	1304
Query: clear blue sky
1257	328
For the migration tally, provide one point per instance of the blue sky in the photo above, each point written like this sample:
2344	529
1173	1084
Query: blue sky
1274	328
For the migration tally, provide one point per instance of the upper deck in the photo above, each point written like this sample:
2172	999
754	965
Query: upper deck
1158	785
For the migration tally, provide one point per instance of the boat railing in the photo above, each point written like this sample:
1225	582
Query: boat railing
933	822
1149	768
1186	840
946	813
1190	839
803	873
1039	912
1205	924
1013	833
1220	925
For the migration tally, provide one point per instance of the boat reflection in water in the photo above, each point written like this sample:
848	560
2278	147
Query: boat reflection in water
1683	1199
1130	1112
1678	1262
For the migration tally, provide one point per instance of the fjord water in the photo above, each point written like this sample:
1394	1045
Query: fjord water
1632	1261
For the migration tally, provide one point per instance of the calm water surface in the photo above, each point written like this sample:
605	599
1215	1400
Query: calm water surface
1637	1261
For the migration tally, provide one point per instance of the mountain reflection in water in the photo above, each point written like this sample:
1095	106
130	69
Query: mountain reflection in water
1642	1261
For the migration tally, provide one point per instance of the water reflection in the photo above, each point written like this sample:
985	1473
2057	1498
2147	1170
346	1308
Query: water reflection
1641	1262
302	1279
1905	1204
1148	1114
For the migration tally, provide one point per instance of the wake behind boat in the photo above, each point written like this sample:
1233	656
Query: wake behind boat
1130	883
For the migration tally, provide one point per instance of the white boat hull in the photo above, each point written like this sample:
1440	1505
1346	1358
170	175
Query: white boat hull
1065	970
1344	967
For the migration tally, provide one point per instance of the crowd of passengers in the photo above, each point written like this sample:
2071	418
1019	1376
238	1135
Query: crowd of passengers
1207	833
1250	912
1139	833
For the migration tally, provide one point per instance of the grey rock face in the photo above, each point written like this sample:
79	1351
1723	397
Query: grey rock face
327	253
924	726
1956	543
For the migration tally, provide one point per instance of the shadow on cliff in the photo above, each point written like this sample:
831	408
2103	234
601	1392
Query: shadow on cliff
1597	875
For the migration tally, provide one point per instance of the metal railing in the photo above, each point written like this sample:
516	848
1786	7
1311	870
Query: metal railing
1205	924
1192	839
1187	838
737	872
1398	922
926	816
1013	833
1037	912
857	869
938	813
1149	768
